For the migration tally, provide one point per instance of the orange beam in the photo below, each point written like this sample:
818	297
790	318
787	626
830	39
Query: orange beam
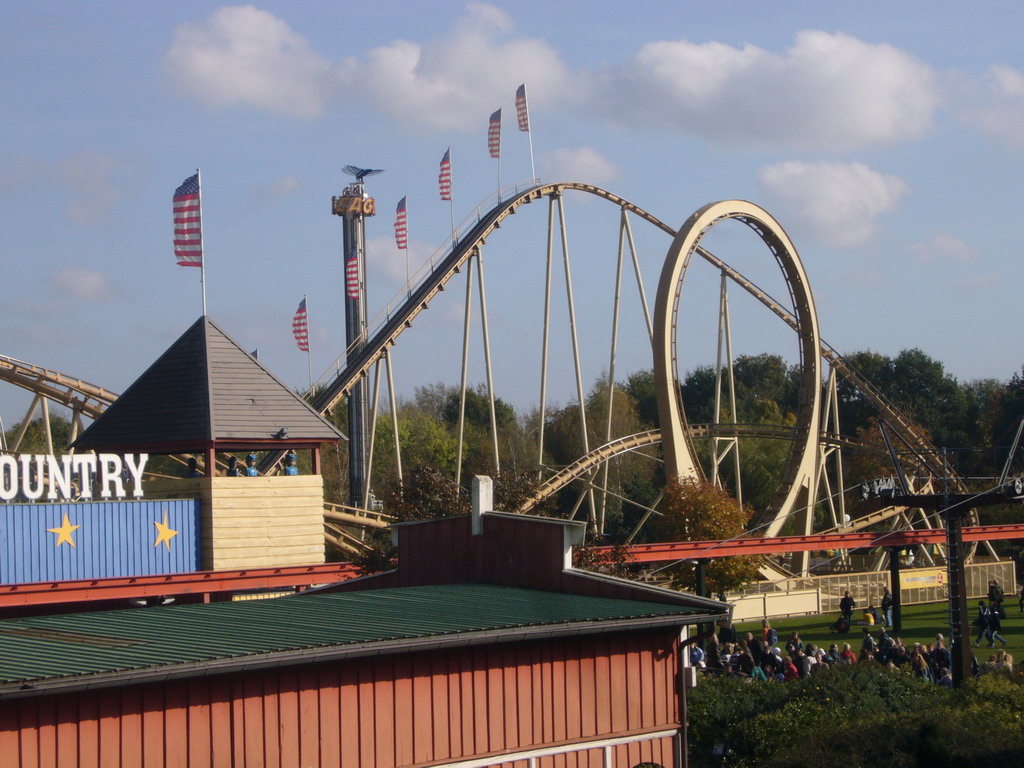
704	550
218	582
199	582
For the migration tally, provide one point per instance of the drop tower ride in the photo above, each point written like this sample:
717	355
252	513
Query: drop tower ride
354	205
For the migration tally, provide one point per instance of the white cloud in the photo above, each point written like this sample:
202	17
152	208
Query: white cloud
585	164
997	107
838	203
389	264
456	81
943	248
83	283
242	55
828	91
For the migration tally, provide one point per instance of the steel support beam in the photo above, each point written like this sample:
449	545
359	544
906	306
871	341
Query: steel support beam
695	550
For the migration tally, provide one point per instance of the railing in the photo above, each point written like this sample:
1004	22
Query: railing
866	589
422	273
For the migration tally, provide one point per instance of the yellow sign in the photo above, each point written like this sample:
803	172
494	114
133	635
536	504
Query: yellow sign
922	578
353	205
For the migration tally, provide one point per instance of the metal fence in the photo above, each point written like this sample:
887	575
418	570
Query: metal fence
867	587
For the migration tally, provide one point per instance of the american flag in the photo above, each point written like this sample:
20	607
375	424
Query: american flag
494	134
188	229
444	177
521	112
401	226
300	326
352	275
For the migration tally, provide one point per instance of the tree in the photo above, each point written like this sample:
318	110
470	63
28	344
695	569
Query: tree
697	510
855	411
765	378
34	439
698	392
478	409
425	442
641	388
921	386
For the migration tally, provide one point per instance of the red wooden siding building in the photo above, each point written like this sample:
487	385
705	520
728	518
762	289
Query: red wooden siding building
483	648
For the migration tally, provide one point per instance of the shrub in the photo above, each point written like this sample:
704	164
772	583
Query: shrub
860	715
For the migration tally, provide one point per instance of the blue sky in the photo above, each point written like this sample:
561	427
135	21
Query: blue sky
887	139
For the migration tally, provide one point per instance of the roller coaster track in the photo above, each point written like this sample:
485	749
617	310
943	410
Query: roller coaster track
80	396
421	296
386	335
571	472
91	400
909	431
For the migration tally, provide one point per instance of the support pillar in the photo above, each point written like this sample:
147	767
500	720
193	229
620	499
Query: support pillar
700	572
959	626
894	577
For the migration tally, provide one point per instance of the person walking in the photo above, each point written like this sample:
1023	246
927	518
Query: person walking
981	621
994	625
995	592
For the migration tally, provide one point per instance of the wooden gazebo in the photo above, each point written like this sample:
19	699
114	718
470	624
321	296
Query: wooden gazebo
206	395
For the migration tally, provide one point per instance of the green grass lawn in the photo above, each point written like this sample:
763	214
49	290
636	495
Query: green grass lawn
920	625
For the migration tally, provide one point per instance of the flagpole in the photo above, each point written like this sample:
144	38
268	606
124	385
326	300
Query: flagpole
529	133
309	354
533	171
451	195
202	251
494	142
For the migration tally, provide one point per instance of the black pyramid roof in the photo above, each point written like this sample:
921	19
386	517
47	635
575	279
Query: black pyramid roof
206	391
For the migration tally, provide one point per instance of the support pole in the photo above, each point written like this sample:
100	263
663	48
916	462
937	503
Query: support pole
365	501
46	426
616	305
897	602
393	396
465	366
701	577
544	343
959	626
487	359
571	305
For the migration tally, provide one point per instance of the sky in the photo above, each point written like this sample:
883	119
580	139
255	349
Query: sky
887	139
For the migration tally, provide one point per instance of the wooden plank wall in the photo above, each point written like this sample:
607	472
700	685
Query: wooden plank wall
402	710
252	522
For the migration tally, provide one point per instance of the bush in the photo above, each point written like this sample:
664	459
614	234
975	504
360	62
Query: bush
860	715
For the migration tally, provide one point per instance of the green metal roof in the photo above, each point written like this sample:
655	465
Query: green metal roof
110	647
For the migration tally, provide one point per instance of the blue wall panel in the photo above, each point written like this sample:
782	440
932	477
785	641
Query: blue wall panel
122	538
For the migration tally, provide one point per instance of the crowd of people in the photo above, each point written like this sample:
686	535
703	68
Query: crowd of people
760	656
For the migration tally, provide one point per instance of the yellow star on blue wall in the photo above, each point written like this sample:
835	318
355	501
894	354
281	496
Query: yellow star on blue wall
164	533
64	532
